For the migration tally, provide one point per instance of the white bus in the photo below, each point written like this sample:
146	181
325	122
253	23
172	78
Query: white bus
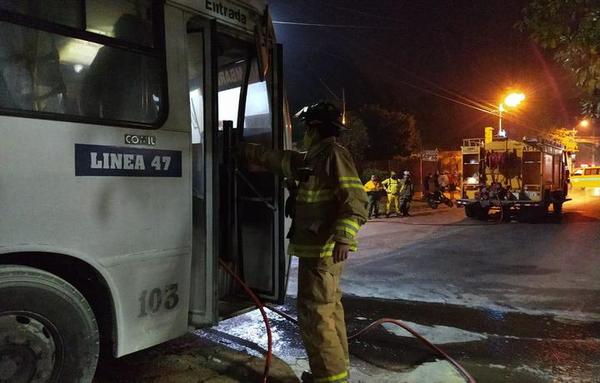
118	191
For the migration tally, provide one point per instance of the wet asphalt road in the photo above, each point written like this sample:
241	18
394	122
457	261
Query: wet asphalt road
512	302
528	295
544	268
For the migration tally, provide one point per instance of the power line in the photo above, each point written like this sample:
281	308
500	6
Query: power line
465	100
339	26
469	104
362	13
460	99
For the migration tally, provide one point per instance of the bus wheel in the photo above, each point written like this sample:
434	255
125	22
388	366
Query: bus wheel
48	332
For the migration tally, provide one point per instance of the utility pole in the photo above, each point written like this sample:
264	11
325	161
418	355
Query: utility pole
343	106
594	145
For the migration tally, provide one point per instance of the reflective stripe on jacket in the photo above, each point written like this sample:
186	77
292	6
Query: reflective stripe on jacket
331	201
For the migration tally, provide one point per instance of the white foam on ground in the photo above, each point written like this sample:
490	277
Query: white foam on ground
436	334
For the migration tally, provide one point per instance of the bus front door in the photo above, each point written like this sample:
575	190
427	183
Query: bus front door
238	214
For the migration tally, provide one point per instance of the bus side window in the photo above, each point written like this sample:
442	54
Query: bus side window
64	12
122	85
30	77
56	71
44	72
103	17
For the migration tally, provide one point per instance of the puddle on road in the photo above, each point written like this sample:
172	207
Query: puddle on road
477	320
495	346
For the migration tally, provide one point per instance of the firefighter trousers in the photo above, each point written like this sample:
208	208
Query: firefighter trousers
321	319
392	199
404	206
373	206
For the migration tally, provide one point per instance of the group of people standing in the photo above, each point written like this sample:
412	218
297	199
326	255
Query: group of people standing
399	192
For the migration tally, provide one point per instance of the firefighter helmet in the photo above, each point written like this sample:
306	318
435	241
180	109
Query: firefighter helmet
322	113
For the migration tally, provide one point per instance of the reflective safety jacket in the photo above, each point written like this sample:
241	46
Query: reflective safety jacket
373	186
392	186
331	203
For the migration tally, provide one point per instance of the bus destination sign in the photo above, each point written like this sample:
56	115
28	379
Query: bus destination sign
99	160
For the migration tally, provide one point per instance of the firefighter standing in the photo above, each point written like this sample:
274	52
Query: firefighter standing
329	208
407	190
392	187
373	188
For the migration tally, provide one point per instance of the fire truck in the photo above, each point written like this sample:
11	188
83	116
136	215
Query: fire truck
520	179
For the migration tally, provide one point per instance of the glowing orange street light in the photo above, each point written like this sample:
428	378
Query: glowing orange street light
584	124
512	100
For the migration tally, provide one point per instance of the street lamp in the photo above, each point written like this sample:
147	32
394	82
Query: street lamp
512	100
585	124
582	124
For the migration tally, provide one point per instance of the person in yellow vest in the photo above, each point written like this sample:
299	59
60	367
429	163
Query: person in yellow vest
330	207
392	188
373	188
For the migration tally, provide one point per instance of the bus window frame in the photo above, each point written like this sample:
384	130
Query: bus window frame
157	51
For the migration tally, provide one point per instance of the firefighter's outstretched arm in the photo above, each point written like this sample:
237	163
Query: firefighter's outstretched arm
284	162
351	205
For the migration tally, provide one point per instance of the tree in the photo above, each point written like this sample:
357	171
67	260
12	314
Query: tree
565	137
571	30
391	133
356	139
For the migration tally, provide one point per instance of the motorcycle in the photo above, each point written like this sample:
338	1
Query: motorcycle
436	198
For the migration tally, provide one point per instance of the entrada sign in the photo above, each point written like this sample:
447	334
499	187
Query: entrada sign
230	12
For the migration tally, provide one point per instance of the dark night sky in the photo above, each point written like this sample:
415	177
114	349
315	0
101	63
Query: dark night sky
411	48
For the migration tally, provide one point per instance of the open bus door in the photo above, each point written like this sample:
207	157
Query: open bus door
237	214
